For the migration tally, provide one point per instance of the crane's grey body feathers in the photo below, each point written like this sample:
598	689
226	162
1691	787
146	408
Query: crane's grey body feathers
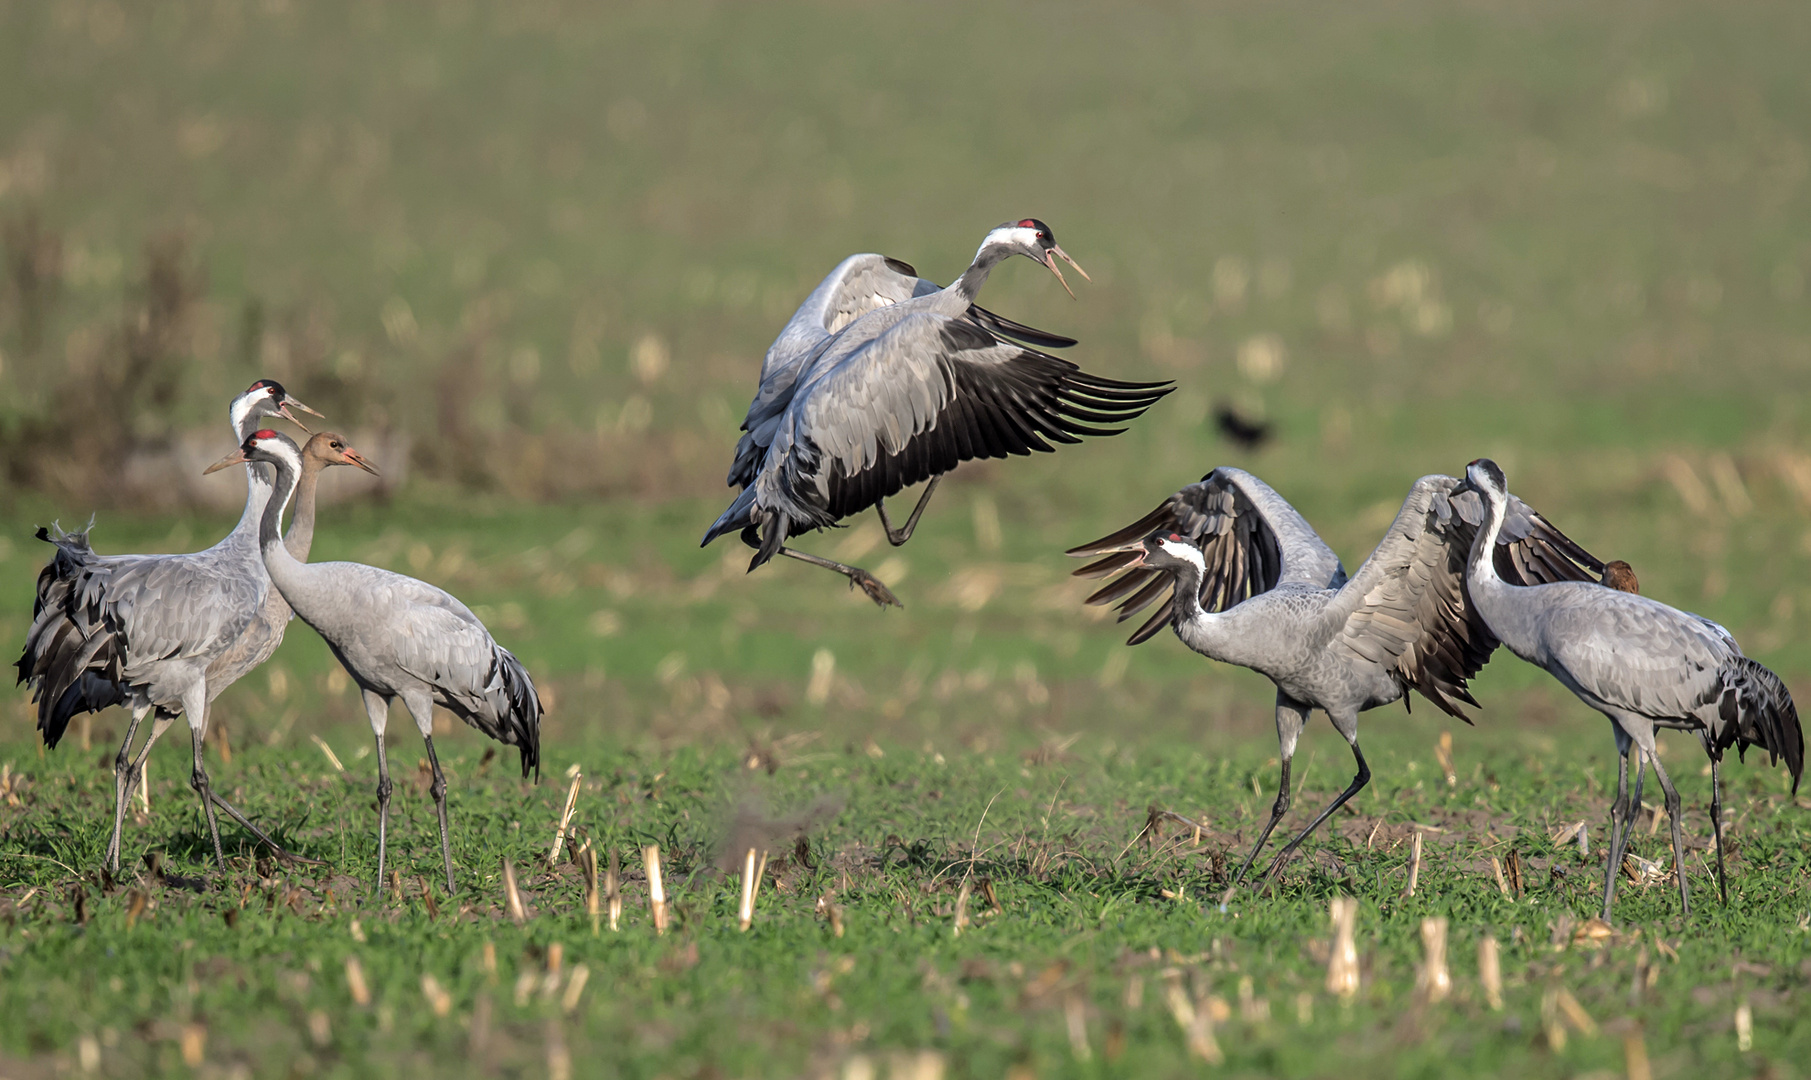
425	642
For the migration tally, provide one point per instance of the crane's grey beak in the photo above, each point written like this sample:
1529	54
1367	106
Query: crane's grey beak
237	457
291	417
1136	547
1051	256
353	457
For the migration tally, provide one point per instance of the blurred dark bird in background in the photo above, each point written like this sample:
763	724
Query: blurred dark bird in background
1241	432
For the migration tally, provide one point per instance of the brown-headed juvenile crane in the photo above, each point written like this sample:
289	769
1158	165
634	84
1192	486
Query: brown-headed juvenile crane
163	633
1252	584
1642	664
398	638
882	380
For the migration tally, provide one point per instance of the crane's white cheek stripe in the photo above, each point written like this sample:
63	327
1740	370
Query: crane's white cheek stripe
1014	235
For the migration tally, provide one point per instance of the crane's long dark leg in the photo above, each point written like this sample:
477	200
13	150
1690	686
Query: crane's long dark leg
1672	812
1622	811
1716	821
438	790
198	776
276	849
1357	785
135	775
378	710
122	794
1292	716
897	537
1619	819
870	584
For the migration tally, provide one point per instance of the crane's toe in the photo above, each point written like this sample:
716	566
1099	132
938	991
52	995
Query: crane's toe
877	592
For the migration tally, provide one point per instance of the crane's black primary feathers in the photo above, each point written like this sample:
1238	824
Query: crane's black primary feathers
518	710
1757	710
75	651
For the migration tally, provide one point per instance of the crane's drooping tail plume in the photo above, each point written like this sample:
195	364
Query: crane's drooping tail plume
75	650
517	709
1757	710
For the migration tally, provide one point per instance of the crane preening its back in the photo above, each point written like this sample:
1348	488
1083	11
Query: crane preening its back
1251	584
1644	665
398	638
882	380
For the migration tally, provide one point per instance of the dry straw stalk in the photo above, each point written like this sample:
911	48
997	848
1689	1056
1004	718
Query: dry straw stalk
559	834
613	891
751	882
657	894
512	896
1435	982
355	982
1342	961
1414	864
1490	972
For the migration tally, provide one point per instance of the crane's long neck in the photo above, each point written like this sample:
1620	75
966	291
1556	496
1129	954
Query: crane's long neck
287	573
968	286
300	537
1206	632
1493	597
259	484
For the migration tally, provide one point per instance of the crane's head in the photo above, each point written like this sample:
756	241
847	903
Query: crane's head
1034	240
266	397
266	445
331	449
1484	475
1620	575
1172	552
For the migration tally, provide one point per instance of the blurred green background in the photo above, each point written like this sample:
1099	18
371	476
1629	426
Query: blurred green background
532	253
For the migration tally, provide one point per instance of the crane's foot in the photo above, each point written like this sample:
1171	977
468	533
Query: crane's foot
277	850
871	585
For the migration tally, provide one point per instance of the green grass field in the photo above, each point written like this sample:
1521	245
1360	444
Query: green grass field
548	243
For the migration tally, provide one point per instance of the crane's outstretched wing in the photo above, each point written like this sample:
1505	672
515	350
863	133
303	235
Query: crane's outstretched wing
1407	609
917	399
858	285
1252	539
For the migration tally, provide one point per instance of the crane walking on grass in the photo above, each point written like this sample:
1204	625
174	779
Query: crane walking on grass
1642	664
157	633
882	380
398	638
1252	584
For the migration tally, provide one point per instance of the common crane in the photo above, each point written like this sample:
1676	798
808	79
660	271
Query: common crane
398	638
882	380
1252	584
163	633
1644	665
